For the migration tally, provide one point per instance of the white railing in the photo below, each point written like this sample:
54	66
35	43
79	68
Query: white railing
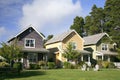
117	64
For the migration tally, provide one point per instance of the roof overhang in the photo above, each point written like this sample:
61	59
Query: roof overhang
84	52
38	50
106	53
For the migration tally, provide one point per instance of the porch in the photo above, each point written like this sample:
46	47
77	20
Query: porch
33	55
106	56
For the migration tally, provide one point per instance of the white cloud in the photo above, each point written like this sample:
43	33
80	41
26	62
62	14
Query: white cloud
40	13
2	31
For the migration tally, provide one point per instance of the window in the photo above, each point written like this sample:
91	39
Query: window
29	43
32	57
104	47
74	45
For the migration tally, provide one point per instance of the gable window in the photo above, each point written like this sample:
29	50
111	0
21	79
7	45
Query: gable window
29	43
74	45
104	47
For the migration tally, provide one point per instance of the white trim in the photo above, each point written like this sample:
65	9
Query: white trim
38	32
104	46
28	39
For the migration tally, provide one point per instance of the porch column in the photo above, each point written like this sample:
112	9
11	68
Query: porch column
102	57
108	58
27	62
88	58
81	57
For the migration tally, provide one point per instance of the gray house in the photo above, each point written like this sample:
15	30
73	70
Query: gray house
31	41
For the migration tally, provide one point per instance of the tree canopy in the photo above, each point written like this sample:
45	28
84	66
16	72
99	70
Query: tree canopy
70	53
78	25
10	51
100	20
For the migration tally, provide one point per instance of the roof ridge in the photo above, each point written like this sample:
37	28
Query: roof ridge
95	34
27	27
59	37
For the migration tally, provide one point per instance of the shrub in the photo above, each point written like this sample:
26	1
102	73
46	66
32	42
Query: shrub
99	62
51	65
4	64
111	65
18	66
68	65
34	66
81	63
105	64
42	64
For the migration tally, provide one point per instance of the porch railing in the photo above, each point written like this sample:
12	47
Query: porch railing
117	64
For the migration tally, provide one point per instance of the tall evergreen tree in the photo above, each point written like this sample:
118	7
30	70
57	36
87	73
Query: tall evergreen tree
78	25
87	25
112	18
97	20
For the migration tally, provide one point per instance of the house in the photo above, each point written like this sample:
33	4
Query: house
31	41
101	46
58	44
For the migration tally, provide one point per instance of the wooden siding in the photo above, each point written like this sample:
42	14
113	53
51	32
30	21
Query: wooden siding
30	34
73	37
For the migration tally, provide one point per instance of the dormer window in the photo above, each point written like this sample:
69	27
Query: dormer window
104	47
29	43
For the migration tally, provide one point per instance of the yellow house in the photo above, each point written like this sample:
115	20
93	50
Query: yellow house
58	44
101	46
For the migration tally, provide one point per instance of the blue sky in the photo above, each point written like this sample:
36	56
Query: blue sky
47	16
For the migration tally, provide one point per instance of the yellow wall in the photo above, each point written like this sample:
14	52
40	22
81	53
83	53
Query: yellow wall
73	37
94	50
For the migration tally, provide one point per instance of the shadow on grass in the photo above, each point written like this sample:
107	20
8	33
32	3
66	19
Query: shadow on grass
23	74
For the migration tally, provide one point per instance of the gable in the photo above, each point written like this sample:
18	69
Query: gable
74	38
27	35
94	39
26	32
62	37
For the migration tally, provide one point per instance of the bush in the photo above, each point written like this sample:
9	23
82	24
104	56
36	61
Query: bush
111	65
4	64
18	66
34	66
105	64
42	64
68	65
81	63
51	65
99	62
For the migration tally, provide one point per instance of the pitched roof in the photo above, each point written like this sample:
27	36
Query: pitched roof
93	39
60	37
30	26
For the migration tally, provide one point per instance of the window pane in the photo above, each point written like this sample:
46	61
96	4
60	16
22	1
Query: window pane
30	43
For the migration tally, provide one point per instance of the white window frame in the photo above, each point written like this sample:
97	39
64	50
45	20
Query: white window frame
29	44
103	45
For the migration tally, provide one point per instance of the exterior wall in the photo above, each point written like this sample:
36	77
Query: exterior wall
34	35
56	45
99	48
94	48
73	38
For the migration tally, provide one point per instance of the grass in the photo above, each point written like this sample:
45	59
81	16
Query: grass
64	74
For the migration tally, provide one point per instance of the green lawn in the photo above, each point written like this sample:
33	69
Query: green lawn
64	74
